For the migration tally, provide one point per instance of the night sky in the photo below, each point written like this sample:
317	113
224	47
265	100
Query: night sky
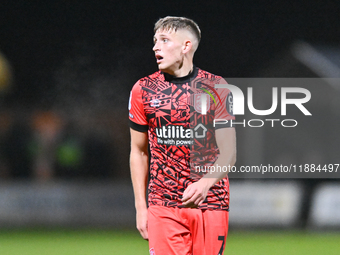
54	43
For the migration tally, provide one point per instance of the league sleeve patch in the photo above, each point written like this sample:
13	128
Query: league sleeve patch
229	104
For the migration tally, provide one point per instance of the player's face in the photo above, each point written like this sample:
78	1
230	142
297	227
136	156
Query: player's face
168	48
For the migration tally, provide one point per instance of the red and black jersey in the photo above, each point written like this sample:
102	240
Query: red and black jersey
178	114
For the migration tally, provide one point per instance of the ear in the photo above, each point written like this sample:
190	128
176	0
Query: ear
187	46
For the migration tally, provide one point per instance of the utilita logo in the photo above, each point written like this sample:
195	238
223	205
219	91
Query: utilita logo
236	104
178	135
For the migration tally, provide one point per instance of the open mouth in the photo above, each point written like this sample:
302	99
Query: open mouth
159	58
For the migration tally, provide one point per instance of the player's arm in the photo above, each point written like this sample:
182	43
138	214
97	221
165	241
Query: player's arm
226	142
195	194
139	160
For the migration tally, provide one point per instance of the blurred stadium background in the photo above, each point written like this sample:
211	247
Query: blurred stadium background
66	69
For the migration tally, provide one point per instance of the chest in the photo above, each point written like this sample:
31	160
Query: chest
168	105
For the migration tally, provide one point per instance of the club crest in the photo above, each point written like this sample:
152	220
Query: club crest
198	102
152	251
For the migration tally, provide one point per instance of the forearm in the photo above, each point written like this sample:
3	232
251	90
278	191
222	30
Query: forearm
226	141
225	161
139	167
139	175
195	194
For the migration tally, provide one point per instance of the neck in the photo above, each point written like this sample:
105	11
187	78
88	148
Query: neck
183	70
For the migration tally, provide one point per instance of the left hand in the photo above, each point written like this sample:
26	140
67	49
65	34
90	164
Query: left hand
195	194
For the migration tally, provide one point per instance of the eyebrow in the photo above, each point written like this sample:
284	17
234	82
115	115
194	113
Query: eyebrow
160	35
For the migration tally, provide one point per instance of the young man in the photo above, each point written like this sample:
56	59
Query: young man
173	110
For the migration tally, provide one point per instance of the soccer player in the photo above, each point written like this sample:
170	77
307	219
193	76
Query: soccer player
173	111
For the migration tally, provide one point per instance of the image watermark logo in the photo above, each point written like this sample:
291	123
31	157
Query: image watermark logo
280	128
238	100
236	105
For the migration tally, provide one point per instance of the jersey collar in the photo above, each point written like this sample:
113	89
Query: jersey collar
183	79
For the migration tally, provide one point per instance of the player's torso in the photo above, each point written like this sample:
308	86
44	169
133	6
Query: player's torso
177	130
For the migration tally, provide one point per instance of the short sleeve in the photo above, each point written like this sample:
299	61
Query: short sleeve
224	108
137	118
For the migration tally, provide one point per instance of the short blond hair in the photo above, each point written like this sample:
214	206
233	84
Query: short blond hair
170	23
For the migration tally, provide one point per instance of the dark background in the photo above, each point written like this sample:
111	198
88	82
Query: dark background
83	42
73	64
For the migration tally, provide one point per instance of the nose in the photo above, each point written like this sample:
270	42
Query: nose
155	47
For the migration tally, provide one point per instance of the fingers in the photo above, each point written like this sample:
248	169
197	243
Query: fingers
143	230
193	197
142	223
188	193
194	202
144	233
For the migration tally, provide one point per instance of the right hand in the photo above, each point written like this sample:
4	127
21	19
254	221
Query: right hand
142	222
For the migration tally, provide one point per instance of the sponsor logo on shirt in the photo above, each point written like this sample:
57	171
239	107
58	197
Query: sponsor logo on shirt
179	135
155	103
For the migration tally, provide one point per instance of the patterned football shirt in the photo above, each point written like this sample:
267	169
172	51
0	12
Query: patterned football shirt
178	114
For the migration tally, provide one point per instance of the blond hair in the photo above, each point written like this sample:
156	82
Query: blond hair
171	23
